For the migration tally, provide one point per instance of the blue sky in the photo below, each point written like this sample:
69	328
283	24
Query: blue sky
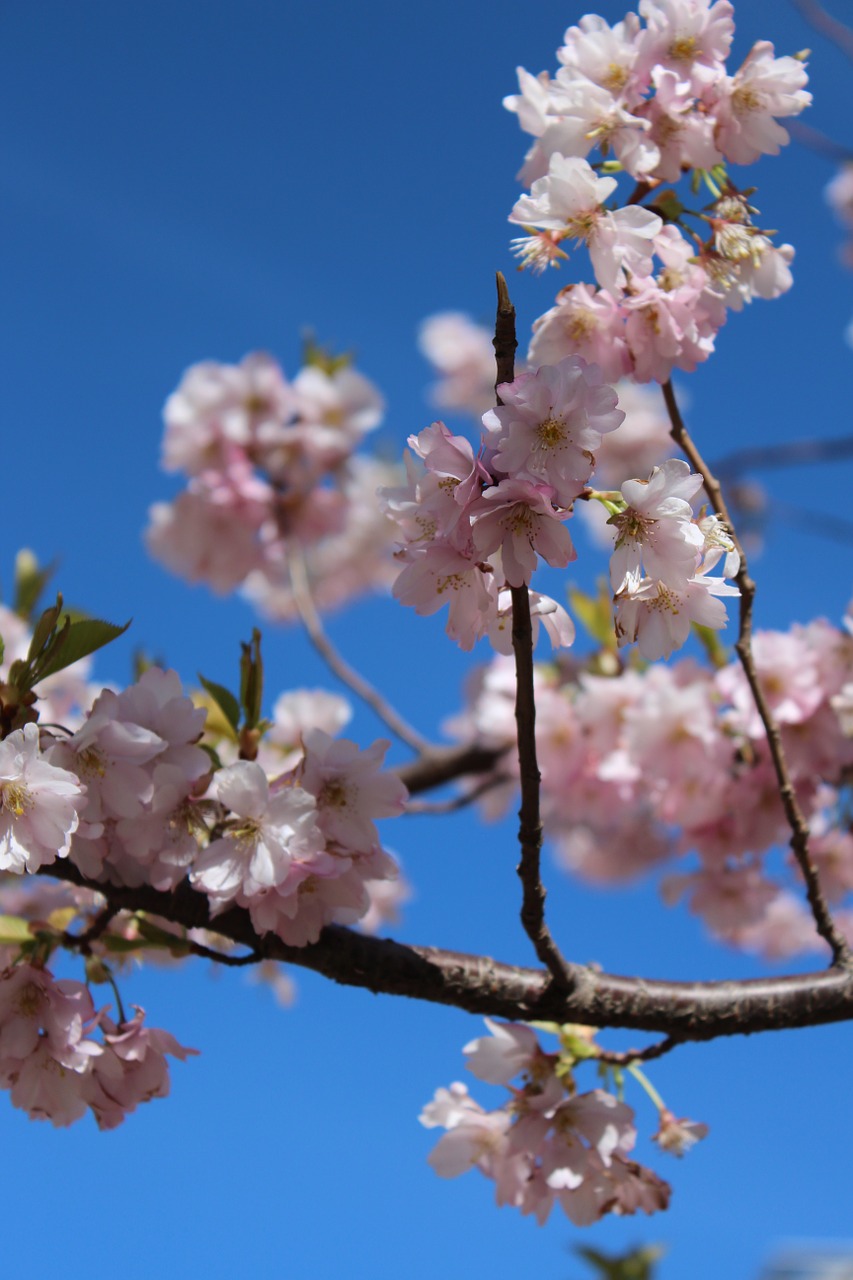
193	181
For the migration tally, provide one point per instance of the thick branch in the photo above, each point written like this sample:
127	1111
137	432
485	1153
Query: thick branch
478	984
826	926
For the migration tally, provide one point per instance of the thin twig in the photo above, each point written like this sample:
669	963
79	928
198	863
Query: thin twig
461	801
82	942
530	821
346	674
826	927
791	453
651	1051
824	23
445	764
819	142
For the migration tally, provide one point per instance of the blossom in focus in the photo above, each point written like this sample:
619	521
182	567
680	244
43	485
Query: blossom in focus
659	617
350	789
549	424
656	529
268	832
39	804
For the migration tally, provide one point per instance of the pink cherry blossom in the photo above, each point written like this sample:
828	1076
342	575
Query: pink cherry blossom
349	789
765	87
549	423
506	1052
570	199
39	804
659	618
587	323
657	529
269	830
517	518
462	353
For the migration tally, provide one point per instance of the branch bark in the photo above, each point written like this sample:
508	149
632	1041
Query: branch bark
529	816
481	985
826	927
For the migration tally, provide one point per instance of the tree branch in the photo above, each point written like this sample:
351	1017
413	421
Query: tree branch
440	765
530	821
790	453
826	926
479	984
648	1054
346	674
824	23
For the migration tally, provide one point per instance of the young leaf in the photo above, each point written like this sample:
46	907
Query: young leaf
14	929
30	581
81	639
251	680
224	699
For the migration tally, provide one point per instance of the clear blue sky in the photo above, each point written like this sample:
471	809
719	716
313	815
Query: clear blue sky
196	180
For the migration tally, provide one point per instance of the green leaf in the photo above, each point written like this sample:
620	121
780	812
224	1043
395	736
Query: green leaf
638	1264
30	581
157	937
224	699
44	630
324	358
595	613
81	639
14	929
122	946
213	753
715	651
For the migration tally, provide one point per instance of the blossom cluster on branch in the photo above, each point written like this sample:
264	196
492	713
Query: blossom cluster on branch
118	784
657	101
213	811
272	465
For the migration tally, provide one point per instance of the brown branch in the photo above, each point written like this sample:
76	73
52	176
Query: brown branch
346	674
82	942
651	1051
479	984
444	764
455	803
819	142
826	926
824	23
790	453
530	820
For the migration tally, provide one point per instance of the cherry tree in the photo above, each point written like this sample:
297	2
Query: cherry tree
163	821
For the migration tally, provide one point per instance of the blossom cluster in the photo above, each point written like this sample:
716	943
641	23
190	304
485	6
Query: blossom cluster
56	1069
548	1144
646	765
132	799
657	533
125	792
476	525
272	468
473	525
657	100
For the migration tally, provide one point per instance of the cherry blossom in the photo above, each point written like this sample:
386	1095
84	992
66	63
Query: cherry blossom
570	199
656	529
39	804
